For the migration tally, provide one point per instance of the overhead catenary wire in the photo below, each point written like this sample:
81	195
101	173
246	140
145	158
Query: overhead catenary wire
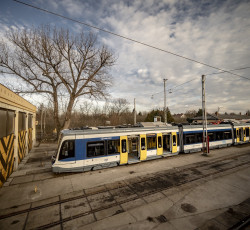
170	89
229	70
197	78
127	38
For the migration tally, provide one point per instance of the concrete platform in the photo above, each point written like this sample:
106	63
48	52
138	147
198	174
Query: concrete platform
216	201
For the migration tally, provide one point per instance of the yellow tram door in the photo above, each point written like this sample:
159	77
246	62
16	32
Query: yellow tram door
123	150
159	144
237	135
174	142
244	134
143	147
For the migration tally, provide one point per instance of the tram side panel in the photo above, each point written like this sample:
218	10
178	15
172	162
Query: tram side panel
218	138
86	154
241	134
143	147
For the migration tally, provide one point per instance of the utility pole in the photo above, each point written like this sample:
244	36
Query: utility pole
204	119
134	113
165	109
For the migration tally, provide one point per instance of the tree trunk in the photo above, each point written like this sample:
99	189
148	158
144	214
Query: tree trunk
56	116
67	119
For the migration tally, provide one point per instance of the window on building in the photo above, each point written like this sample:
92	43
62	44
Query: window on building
30	121
21	121
113	146
10	122
67	150
7	122
95	149
3	123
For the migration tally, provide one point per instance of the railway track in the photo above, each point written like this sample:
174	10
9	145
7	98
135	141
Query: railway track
131	190
47	159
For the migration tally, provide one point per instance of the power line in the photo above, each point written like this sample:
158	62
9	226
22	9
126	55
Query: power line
170	89
127	38
230	70
183	83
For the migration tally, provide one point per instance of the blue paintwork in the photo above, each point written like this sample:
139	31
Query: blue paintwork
81	146
72	159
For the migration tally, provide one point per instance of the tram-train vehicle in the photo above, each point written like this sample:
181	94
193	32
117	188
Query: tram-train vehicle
91	149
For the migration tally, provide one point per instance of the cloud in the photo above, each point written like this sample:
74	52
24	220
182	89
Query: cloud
217	36
212	32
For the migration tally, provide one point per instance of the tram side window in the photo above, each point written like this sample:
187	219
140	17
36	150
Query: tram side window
113	146
151	142
159	142
95	149
124	146
189	139
219	136
227	135
199	137
143	143
247	132
211	137
174	140
67	150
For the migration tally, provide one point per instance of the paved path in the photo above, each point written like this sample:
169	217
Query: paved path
184	195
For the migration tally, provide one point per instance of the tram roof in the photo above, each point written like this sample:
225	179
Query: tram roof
106	130
116	130
209	126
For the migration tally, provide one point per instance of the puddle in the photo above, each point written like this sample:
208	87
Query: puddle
188	208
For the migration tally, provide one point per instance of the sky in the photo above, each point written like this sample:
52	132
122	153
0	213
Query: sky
212	32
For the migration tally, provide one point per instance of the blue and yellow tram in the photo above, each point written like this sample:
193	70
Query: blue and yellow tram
84	150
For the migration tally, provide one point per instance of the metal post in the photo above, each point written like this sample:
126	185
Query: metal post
44	122
134	113
41	125
165	109
204	119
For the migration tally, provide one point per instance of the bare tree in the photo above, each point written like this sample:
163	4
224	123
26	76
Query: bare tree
52	61
119	107
86	107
